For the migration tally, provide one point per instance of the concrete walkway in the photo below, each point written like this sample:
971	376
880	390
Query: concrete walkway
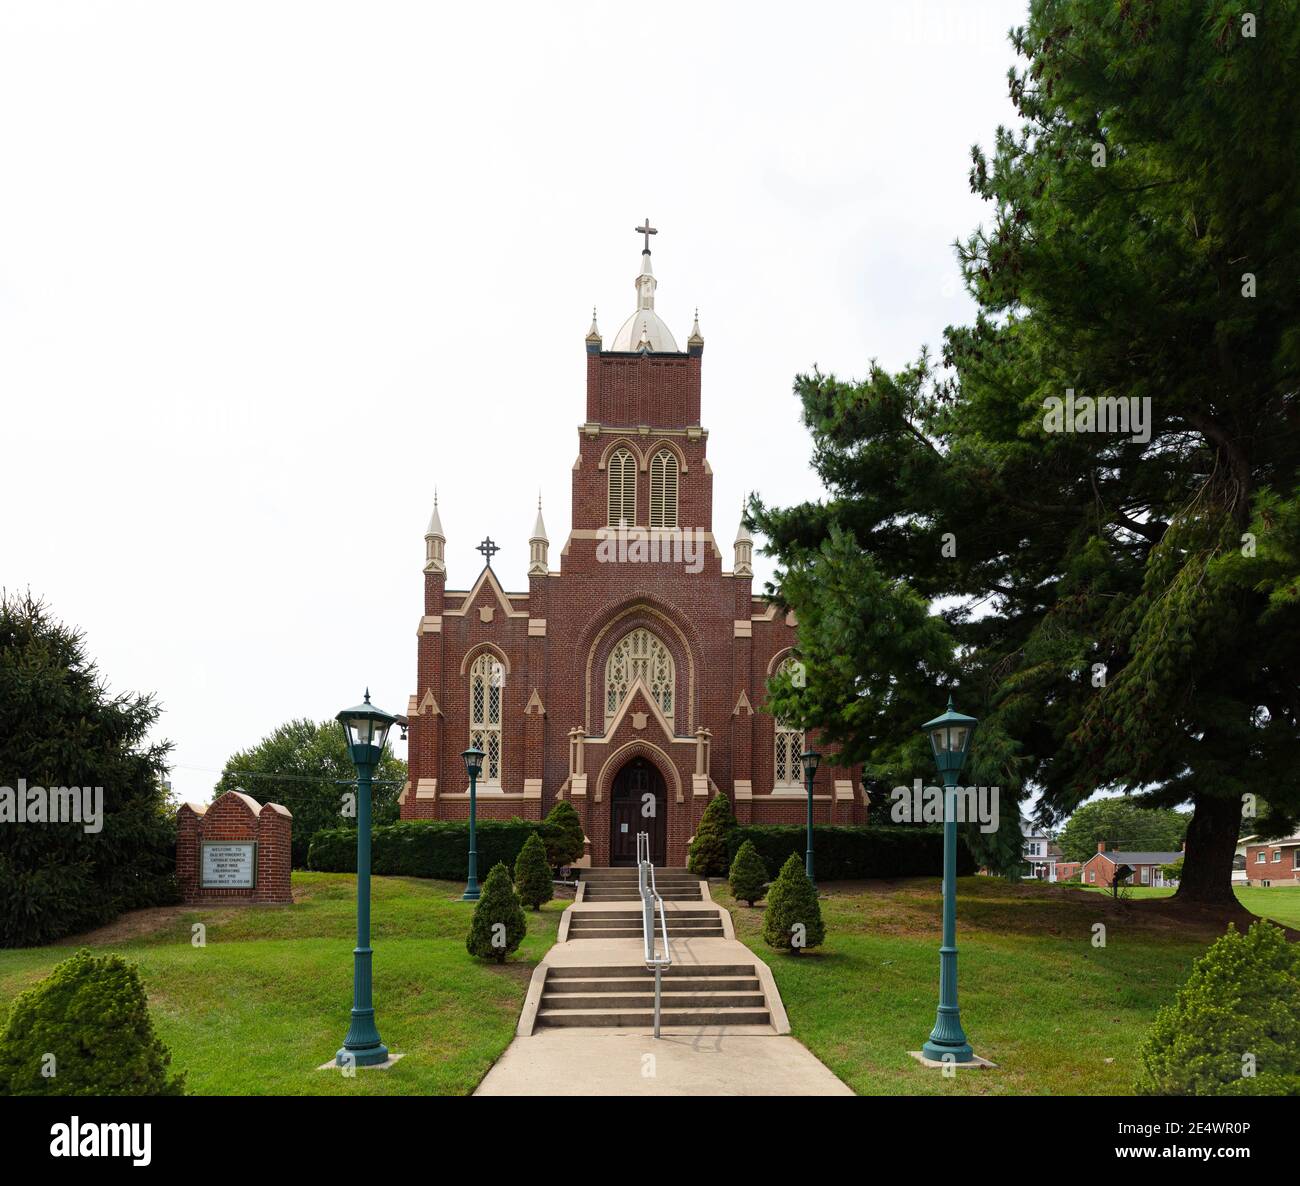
623	1062
700	1060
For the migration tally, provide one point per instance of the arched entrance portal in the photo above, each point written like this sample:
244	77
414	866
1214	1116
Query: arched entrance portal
637	804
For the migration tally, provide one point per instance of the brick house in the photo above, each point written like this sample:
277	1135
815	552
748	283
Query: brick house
1099	869
637	668
1273	862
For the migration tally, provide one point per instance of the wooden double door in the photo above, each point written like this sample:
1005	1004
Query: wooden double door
637	804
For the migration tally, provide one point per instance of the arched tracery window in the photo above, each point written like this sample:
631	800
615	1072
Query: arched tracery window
663	489
486	679
622	488
639	654
789	743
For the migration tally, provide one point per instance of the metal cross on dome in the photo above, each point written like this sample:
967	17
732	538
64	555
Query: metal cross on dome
647	230
489	549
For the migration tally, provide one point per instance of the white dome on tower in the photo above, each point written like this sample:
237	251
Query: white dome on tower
645	330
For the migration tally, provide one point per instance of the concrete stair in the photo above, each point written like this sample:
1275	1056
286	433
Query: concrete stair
696	995
685	923
620	885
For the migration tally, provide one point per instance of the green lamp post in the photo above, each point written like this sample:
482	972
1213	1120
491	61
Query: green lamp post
473	759
811	759
366	728
950	738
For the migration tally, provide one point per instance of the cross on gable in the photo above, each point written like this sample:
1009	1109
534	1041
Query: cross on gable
647	230
489	549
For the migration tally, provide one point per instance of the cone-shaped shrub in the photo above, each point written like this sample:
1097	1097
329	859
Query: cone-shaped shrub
533	874
499	923
708	855
85	1030
1234	1027
748	874
793	919
564	835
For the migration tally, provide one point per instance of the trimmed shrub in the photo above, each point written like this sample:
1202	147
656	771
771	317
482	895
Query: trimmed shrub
533	874
708	856
748	874
855	853
424	848
791	904
1238	1013
91	1013
564	837
499	923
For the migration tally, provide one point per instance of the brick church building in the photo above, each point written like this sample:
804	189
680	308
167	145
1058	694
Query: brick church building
637	666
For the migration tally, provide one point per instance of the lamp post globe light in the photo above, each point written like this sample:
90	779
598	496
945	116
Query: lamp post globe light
366	729
950	737
811	759
473	759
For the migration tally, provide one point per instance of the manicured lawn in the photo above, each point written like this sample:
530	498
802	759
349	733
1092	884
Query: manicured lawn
267	999
1280	903
1058	1014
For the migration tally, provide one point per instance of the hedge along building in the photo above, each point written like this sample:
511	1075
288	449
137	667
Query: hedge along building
631	679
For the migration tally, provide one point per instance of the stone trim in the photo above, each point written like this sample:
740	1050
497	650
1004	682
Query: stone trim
537	627
426	788
742	789
430	624
744	628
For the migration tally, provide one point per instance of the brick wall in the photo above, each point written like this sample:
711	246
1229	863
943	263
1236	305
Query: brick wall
1283	871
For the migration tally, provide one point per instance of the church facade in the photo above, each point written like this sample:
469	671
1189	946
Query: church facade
630	678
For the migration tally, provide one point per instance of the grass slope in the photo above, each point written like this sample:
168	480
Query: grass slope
1060	1015
267	999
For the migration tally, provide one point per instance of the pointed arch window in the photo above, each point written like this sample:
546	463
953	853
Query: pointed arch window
486	680
639	654
622	488
663	489
789	746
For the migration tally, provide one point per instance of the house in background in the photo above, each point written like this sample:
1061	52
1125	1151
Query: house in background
1099	869
1040	853
1271	862
1239	874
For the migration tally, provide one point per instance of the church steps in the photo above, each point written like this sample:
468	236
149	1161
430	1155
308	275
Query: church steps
638	971
621	984
638	1018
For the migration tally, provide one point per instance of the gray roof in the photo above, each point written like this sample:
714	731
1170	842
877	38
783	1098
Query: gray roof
1141	858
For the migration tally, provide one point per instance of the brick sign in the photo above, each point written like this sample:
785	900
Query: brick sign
235	850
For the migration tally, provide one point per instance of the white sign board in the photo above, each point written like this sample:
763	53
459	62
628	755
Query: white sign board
229	866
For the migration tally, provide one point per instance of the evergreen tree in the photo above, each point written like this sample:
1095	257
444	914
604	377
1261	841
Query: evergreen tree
793	919
1234	1027
61	727
85	1030
708	852
319	780
499	922
748	874
1121	608
565	839
533	874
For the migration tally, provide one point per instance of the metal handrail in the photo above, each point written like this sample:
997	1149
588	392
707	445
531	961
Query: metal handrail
649	897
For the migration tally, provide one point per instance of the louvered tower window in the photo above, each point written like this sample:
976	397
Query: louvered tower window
789	747
622	488
639	654
663	489
486	678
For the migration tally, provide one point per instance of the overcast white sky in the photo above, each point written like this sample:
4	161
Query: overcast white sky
269	272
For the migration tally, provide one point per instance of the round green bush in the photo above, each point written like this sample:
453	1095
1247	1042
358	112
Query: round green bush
85	1030
499	924
793	919
533	874
1234	1027
748	874
708	854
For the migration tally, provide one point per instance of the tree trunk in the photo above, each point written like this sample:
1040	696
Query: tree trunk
1211	843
